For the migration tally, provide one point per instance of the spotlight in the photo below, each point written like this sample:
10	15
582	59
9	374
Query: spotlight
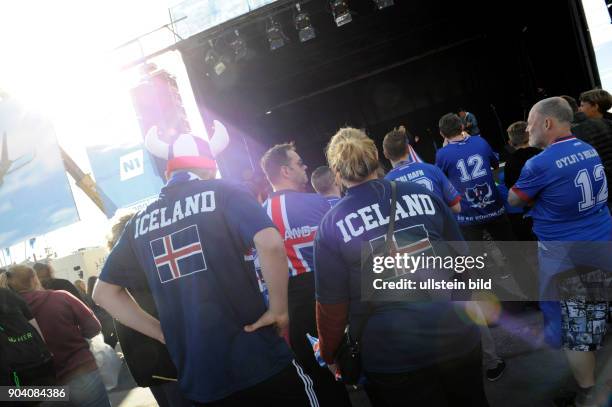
239	46
302	24
213	59
381	4
341	12
276	36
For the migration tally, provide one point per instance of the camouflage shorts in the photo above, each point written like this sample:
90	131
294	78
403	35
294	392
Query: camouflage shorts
583	324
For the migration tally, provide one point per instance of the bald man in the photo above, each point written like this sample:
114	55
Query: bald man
567	189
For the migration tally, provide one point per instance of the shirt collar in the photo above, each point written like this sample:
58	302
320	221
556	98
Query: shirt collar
463	140
180	177
562	139
283	191
358	189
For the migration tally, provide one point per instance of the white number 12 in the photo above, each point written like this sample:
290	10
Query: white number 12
583	181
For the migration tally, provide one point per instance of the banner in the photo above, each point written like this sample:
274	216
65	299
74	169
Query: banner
35	196
125	174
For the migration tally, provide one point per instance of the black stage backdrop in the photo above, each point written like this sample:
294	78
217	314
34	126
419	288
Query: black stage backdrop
406	64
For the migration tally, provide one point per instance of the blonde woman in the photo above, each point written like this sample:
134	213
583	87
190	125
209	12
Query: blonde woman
412	353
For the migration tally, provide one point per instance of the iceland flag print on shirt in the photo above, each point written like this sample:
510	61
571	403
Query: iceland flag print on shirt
178	254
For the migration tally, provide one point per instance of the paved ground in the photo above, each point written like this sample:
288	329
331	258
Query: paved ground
534	376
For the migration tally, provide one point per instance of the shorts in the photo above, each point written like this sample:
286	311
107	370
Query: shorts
583	324
554	259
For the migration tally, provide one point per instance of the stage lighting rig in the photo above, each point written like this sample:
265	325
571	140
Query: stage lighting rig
238	46
341	12
381	4
217	62
275	34
303	25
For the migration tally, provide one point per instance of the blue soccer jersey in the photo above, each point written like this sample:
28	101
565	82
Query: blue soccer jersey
568	184
430	176
190	246
399	336
297	216
467	164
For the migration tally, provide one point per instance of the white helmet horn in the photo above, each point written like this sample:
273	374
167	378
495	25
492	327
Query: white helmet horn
220	139
154	145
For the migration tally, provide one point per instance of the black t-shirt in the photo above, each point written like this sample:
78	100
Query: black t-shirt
515	163
597	133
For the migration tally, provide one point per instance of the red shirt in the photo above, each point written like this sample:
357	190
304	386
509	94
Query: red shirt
65	323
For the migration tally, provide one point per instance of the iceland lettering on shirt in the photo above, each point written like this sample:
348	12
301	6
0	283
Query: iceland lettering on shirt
354	224
430	176
297	216
467	164
183	208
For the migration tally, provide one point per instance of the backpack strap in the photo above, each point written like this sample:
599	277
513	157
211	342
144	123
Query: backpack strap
388	247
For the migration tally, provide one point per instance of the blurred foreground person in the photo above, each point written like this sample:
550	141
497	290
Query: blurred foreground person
66	324
566	185
189	247
413	353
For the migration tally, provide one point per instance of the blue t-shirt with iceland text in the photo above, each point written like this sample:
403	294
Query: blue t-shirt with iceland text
430	176
567	184
190	246
467	164
399	336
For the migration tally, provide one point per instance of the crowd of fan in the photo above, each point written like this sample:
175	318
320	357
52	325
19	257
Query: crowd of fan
206	331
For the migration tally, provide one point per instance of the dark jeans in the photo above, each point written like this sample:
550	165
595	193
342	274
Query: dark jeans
169	395
501	231
302	320
457	382
290	387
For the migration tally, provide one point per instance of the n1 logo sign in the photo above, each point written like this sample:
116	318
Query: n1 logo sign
131	165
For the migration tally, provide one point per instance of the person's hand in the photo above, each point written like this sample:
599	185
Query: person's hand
280	320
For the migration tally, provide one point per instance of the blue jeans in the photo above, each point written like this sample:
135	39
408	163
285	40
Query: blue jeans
87	390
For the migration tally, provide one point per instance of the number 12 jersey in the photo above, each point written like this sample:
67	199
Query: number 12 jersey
467	164
568	183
